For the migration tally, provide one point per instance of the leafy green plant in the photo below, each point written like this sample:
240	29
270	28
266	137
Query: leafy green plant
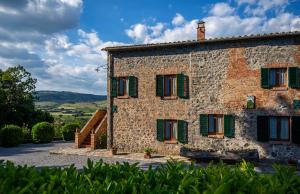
43	132
68	131
11	135
148	150
172	177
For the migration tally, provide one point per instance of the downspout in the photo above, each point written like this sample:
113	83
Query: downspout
110	71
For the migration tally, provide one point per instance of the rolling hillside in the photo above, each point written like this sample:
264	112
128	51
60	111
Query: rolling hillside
67	97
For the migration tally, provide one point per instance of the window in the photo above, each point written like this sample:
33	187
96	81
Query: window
278	77
215	124
170	130
170	86
279	128
123	86
276	128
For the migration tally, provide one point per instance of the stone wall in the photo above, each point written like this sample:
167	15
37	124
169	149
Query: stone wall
221	76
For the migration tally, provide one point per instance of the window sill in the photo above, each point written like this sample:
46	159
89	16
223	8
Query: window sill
216	136
279	89
283	142
123	97
171	142
169	97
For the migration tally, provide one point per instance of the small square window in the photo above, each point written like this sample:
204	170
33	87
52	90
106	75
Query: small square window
123	86
278	77
170	130
215	124
170	85
279	128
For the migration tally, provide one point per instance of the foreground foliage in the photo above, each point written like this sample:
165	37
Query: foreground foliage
125	178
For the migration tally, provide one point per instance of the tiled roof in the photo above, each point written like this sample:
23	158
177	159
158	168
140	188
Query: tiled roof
193	42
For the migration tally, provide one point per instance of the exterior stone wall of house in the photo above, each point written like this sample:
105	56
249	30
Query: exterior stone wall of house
221	76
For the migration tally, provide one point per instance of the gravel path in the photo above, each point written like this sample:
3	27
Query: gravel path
38	155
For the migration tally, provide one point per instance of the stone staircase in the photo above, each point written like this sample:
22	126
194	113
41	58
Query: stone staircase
88	136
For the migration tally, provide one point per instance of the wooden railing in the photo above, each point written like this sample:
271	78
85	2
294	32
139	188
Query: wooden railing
90	126
95	135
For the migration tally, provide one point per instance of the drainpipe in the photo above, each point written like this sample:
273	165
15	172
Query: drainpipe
110	101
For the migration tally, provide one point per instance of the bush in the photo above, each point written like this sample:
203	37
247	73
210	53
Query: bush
172	177
26	132
103	140
11	135
68	131
42	132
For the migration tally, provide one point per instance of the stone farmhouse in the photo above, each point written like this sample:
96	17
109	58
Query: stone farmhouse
223	94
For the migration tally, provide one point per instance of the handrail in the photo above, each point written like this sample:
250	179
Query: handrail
86	130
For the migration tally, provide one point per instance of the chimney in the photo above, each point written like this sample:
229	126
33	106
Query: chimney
201	31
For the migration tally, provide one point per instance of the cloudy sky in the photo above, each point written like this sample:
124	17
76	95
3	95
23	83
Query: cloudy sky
60	41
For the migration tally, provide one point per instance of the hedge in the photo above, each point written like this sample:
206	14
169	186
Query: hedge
68	131
42	132
172	177
11	135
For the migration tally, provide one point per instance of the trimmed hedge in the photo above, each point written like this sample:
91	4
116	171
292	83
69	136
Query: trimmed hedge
42	132
68	131
11	135
172	177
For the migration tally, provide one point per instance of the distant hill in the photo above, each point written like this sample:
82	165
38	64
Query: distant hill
67	97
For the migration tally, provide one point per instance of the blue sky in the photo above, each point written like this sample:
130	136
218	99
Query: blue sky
60	41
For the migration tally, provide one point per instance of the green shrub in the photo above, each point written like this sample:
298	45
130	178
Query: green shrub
103	140
11	135
42	132
26	132
68	131
172	177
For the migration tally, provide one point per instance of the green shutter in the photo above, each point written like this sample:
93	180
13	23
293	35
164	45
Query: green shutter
229	125
204	124
180	85
182	131
294	77
132	86
262	129
296	104
264	73
160	130
296	130
160	85
113	87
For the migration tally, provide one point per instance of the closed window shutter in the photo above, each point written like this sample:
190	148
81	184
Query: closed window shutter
182	131
204	124
262	129
132	86
113	87
160	130
180	85
294	77
265	82
160	85
296	130
229	125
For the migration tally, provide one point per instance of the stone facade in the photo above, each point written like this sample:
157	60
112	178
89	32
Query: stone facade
221	76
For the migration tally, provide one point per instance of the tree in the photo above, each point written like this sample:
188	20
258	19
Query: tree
17	89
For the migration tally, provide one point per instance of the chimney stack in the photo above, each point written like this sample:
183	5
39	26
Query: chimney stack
201	31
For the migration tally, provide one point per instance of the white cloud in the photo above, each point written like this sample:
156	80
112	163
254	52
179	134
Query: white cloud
223	20
221	9
32	33
178	20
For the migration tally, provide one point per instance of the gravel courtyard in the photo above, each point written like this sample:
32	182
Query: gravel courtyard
63	154
39	155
